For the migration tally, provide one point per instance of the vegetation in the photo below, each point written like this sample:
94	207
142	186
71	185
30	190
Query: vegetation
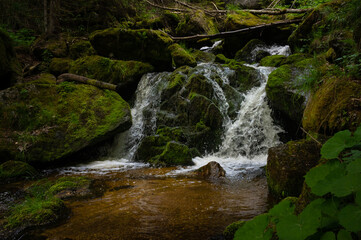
336	211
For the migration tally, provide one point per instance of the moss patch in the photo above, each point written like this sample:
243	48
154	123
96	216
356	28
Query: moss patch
174	154
59	66
273	61
81	49
47	122
16	170
181	57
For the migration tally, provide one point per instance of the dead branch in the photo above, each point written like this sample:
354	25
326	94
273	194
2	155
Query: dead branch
167	8
77	78
232	33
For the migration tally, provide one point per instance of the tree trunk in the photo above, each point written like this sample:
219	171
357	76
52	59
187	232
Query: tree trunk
45	16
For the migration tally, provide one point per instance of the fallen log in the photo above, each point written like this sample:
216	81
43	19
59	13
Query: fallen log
235	32
77	78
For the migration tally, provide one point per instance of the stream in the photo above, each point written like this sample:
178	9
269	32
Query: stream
142	202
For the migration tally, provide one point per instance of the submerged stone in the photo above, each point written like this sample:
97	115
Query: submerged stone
212	170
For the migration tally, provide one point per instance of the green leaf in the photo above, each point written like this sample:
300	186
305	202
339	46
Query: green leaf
354	166
328	236
282	209
257	228
347	185
354	154
321	178
335	145
329	212
306	224
350	218
358	198
344	235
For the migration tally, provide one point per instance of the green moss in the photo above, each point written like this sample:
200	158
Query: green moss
69	183
245	77
107	70
54	121
172	133
81	49
181	57
202	56
199	84
231	229
273	61
297	57
174	154
59	66
15	170
196	23
332	107
242	19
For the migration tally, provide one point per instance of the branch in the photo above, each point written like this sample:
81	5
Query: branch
167	8
77	78
230	33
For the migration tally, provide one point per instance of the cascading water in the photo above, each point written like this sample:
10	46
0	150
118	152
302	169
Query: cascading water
246	137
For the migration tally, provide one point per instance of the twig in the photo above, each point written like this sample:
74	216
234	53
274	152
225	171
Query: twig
314	139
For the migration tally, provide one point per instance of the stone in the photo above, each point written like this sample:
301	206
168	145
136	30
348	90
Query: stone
213	170
15	170
287	164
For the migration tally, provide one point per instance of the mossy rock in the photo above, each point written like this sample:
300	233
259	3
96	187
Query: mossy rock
245	78
287	164
181	57
144	45
81	49
9	66
13	170
47	122
172	133
174	154
45	49
71	187
202	56
125	74
273	61
196	23
333	107
239	20
150	147
198	84
245	54
231	229
59	66
297	57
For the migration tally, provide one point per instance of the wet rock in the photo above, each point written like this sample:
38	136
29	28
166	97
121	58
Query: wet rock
181	57
212	170
174	154
333	107
287	164
9	66
245	54
47	122
15	170
144	45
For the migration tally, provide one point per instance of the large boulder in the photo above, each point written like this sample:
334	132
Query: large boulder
42	121
213	170
144	45
181	57
247	53
9	66
196	23
125	74
335	106
287	164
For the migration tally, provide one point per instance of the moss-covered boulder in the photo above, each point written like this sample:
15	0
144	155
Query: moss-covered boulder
72	187
181	57
245	77
273	61
125	74
287	164
174	154
9	66
81	49
333	107
144	45
59	66
45	122
196	23
13	170
231	229
246	53
239	20
46	48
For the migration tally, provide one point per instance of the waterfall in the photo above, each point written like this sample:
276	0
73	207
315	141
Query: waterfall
247	137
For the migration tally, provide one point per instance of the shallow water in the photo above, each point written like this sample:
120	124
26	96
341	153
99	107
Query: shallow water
147	203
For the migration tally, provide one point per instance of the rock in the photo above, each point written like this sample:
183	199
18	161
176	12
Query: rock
174	154
81	49
245	78
212	170
144	45
235	21
196	23
273	61
59	66
286	95
14	170
125	74
335	106
231	229
47	122
202	56
181	57
9	66
47	48
287	164
297	57
246	53
150	147
71	187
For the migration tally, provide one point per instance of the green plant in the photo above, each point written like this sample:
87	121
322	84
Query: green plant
337	210
21	37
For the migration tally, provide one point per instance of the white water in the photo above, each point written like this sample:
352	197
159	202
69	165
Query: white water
246	139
